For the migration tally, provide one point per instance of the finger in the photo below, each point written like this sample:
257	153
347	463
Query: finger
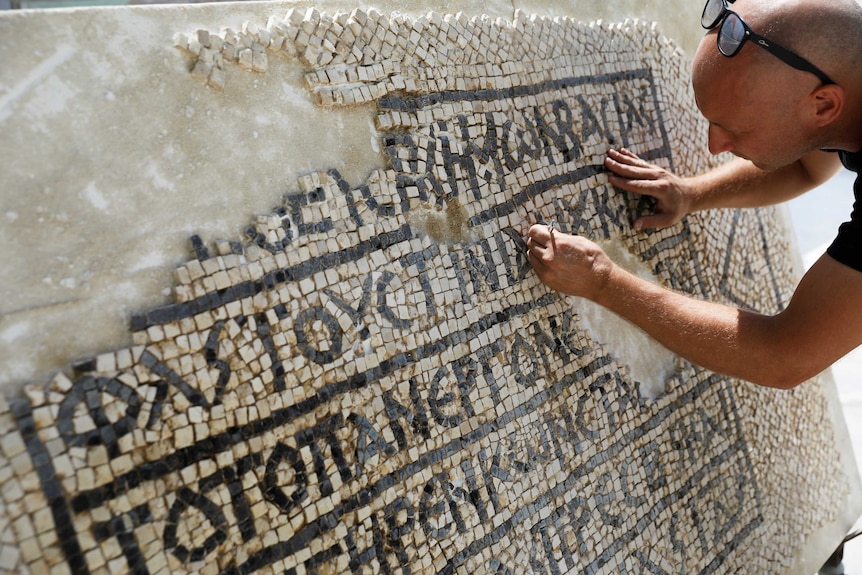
652	221
626	156
533	259
640	171
622	154
541	253
540	234
536	262
640	186
534	247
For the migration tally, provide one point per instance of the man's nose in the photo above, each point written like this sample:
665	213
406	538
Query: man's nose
719	140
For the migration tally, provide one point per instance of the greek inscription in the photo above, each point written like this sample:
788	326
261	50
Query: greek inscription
344	392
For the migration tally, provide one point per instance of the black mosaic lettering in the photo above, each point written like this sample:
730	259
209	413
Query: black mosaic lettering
327	348
604	498
459	167
416	416
187	503
211	352
541	551
438	513
551	530
356	535
482	272
321	439
170	379
632	112
590	123
418	260
514	254
439	399
91	393
490	464
646	566
122	528
264	332
274	486
397	527
233	478
383	284
369	442
355	313
295	203
484	356
524	361
656	474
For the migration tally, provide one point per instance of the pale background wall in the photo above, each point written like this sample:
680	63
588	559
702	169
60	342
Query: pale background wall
87	242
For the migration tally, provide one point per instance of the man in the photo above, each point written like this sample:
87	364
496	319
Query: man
779	82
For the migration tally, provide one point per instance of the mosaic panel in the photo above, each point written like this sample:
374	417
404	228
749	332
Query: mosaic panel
372	380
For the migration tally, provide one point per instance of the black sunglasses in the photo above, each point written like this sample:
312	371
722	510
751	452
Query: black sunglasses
734	32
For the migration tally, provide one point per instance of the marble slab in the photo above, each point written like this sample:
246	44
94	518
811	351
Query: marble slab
351	367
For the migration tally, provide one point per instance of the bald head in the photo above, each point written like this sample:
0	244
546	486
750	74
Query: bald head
826	33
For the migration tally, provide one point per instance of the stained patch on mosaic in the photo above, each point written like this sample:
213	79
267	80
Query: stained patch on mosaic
373	380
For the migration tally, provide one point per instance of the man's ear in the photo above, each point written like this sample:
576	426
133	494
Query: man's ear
826	104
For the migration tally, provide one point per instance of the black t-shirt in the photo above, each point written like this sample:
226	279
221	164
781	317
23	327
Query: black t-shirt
847	247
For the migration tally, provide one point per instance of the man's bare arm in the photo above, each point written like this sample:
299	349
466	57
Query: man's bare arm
735	184
820	324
